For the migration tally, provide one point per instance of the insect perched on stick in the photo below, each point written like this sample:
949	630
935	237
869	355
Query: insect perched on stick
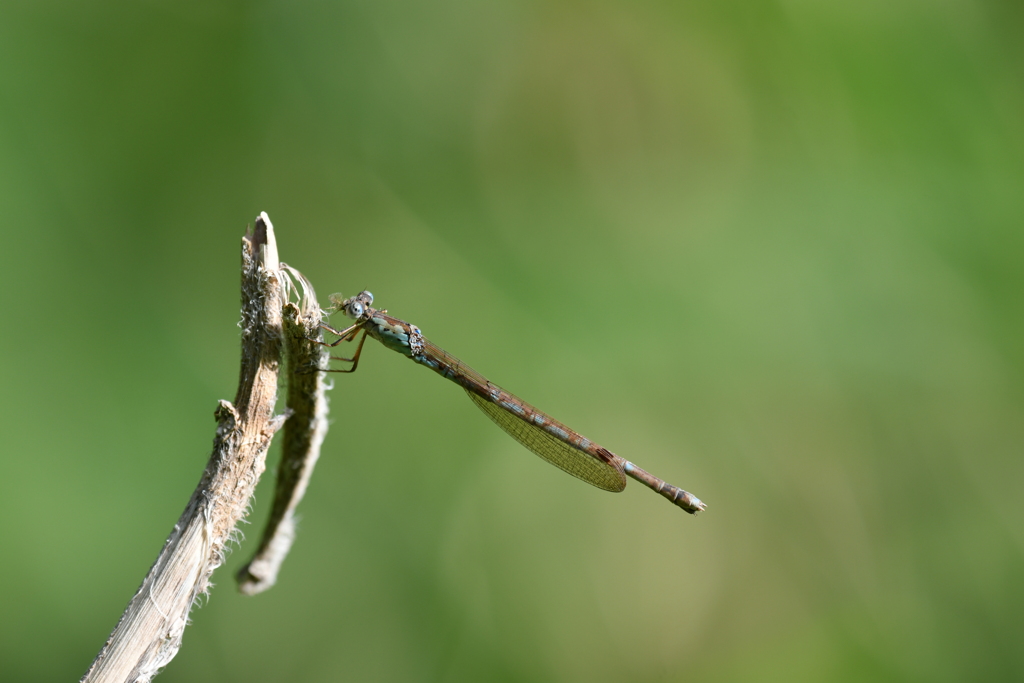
542	434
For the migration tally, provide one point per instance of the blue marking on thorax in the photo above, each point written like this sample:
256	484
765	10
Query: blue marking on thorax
391	336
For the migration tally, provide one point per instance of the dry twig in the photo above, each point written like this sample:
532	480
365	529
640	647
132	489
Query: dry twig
150	631
303	434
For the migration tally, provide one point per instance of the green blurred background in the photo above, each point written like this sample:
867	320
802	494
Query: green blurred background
770	251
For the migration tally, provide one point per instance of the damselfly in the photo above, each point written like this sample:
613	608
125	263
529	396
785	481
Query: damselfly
545	436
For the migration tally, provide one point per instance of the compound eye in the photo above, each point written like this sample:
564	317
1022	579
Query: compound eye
366	296
355	309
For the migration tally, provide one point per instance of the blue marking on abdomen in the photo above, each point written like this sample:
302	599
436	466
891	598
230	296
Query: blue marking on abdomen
514	407
423	360
557	431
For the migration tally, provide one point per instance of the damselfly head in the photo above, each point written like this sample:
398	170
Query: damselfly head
355	307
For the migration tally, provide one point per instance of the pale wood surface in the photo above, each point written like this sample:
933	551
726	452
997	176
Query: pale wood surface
304	433
149	632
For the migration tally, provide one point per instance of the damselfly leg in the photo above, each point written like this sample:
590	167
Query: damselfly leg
347	334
